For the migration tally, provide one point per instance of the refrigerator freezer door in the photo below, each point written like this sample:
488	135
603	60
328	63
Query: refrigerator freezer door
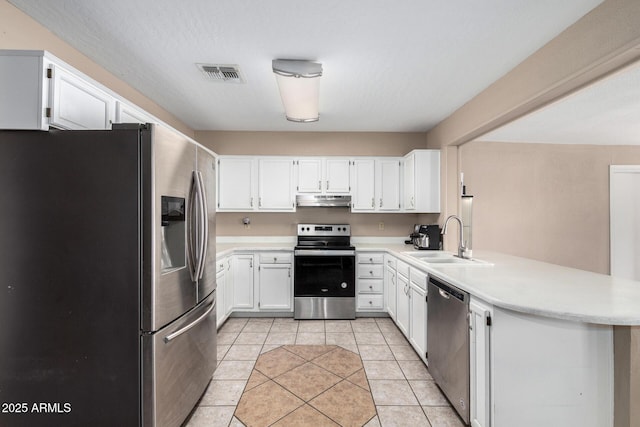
206	167
168	163
178	363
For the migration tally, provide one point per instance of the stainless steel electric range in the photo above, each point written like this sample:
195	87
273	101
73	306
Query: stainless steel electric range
324	274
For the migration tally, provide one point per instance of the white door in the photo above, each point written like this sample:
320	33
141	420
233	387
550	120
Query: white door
388	184
409	192
309	176
402	304
236	178
275	287
243	282
363	179
337	176
625	221
418	320
78	105
276	184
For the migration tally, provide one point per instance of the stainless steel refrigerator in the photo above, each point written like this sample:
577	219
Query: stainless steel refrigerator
107	277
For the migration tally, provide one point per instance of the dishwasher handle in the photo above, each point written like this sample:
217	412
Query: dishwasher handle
448	290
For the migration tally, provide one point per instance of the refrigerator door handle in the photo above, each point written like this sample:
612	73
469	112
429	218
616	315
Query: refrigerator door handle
181	331
204	225
191	244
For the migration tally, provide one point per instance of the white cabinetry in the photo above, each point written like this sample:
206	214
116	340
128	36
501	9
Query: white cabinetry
228	291
243	282
388	184
421	181
370	281
221	295
376	185
480	366
39	91
275	281
275	184
418	311
390	281
247	183
363	197
403	308
236	183
319	175
126	113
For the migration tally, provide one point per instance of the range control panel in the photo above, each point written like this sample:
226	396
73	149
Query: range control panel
324	230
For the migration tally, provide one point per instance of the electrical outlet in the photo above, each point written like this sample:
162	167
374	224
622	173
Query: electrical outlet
381	226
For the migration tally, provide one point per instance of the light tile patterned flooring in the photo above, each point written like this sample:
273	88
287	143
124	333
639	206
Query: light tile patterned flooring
403	391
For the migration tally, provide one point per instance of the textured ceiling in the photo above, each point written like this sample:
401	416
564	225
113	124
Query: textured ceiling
388	66
604	113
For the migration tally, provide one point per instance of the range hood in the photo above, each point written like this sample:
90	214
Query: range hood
323	201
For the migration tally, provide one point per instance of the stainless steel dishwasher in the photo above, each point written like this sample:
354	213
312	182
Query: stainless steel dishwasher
448	342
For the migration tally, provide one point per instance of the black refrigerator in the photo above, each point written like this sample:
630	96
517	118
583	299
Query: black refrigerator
107	277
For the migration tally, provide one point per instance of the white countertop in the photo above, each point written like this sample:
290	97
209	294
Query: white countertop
518	284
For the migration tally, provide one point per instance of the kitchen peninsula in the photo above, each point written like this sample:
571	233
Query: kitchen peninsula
541	334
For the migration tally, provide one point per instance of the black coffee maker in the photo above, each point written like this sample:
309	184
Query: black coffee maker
425	237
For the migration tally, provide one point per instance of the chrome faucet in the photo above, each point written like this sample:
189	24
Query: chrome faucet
463	251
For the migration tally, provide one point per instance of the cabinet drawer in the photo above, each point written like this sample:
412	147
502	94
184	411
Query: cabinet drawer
370	258
389	261
403	268
220	265
373	271
370	302
370	286
275	258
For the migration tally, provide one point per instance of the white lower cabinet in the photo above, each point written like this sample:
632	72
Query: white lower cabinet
418	312
243	282
221	296
480	366
370	282
275	281
390	285
402	298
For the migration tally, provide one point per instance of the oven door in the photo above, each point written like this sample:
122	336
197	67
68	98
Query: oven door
320	273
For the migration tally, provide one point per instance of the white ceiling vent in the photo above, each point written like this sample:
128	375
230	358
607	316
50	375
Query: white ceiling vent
221	73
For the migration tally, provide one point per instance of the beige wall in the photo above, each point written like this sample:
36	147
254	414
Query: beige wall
19	31
312	143
543	201
315	144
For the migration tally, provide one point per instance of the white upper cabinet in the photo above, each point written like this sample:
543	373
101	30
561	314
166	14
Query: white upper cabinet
126	113
236	183
309	175
421	181
275	184
388	184
376	185
77	104
323	176
363	196
337	176
247	183
40	91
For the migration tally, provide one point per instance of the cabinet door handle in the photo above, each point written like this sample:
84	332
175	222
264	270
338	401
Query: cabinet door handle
373	202
259	202
319	185
275	259
380	202
289	271
371	272
327	184
251	202
371	287
251	264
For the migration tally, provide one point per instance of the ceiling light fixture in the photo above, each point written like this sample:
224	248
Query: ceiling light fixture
299	83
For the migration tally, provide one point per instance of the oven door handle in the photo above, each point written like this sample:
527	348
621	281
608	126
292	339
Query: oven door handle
321	252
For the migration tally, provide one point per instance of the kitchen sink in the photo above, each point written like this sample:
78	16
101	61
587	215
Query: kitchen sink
444	258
